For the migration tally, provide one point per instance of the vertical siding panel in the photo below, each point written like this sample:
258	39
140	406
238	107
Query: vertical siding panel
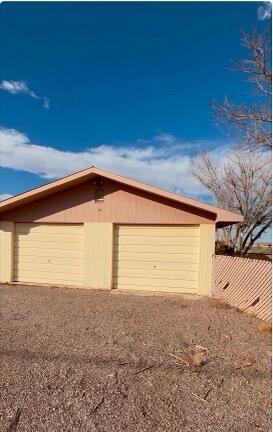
207	244
98	255
6	251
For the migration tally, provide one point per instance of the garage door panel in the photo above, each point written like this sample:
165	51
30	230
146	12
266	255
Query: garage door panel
162	288
161	274
50	237
47	275
158	258
40	244
51	281
171	249
75	261
43	254
49	267
158	231
142	281
70	229
126	265
70	253
156	240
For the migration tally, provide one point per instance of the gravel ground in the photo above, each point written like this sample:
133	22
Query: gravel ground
79	360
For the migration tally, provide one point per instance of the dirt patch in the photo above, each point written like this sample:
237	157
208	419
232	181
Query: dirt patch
81	360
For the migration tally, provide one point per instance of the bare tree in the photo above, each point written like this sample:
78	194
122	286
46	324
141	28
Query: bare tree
251	124
240	182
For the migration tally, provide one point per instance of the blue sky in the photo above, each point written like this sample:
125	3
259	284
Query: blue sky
124	86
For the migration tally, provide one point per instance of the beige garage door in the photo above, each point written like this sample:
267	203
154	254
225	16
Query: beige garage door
156	258
51	254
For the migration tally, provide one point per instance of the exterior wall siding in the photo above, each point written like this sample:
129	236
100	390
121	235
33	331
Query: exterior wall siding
122	204
6	251
207	249
98	255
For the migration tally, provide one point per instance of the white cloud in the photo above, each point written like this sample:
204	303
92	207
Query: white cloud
163	166
46	102
165	138
265	11
4	196
16	87
21	87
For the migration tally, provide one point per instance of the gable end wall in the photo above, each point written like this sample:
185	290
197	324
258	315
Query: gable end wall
122	204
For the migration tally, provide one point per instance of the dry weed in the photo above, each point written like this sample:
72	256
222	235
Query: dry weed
197	359
264	328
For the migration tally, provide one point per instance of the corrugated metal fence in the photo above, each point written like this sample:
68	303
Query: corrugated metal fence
244	283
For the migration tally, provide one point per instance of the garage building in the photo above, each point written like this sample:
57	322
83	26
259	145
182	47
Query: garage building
95	229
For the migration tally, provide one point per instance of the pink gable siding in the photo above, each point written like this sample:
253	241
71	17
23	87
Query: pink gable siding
122	204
